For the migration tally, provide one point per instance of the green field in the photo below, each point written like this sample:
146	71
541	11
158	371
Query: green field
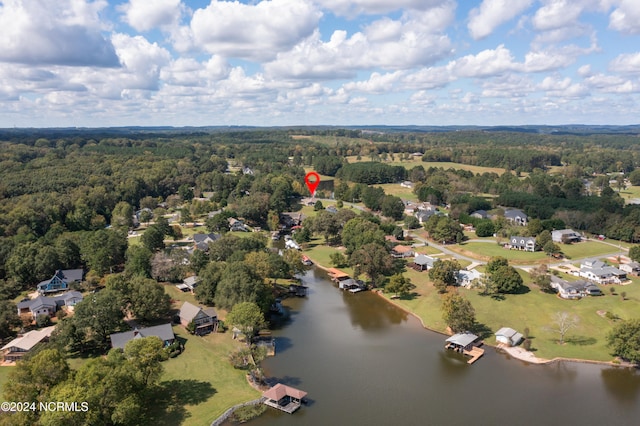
534	310
587	249
398	191
426	164
202	375
4	377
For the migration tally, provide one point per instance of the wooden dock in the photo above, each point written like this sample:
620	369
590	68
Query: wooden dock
288	408
475	353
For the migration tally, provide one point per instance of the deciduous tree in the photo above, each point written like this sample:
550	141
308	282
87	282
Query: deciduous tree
457	313
624	340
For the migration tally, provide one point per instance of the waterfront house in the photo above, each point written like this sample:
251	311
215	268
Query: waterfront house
508	336
284	398
516	217
164	332
60	281
205	320
565	236
21	345
522	243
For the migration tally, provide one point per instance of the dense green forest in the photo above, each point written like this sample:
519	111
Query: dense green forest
70	198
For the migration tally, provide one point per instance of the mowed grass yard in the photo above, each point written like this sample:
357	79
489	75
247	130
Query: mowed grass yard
207	379
486	250
203	372
534	310
426	164
4	376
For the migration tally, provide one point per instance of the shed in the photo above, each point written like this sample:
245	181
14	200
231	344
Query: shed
508	336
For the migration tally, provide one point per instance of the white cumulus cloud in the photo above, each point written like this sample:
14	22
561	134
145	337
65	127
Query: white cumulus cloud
255	32
145	15
493	13
65	32
626	17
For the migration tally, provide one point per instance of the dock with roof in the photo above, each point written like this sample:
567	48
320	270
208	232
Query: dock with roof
465	343
284	398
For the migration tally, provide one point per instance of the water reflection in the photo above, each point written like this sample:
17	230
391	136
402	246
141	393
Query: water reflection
368	312
622	383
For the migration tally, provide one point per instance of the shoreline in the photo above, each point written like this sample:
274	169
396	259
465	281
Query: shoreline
514	352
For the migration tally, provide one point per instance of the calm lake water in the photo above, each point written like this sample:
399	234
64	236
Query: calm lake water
365	362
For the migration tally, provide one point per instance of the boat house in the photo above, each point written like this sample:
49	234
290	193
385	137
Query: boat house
284	398
465	343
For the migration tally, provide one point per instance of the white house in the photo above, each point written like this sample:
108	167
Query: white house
465	277
523	243
601	273
632	268
508	336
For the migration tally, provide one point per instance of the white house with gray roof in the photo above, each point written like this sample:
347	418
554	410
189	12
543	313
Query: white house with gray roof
601	273
20	346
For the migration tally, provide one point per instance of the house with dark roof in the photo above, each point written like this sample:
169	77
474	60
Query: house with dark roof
205	320
38	306
480	214
516	217
574	289
565	236
522	243
164	332
60	281
201	241
20	346
48	305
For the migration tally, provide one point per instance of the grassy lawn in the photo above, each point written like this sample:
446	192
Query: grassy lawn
4	376
484	251
445	165
398	191
205	376
534	310
587	249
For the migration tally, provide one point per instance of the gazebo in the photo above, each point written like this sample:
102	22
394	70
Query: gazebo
284	398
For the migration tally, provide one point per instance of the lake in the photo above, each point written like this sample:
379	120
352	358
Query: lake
365	362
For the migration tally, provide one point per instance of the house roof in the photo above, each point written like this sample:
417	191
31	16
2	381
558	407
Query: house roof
506	332
39	301
422	259
30	339
191	281
65	297
482	213
188	311
163	331
462	339
564	232
514	213
402	249
205	238
279	391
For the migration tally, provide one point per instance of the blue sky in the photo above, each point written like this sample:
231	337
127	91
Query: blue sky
307	62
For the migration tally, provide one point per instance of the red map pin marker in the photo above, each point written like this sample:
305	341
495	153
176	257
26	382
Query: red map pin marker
312	184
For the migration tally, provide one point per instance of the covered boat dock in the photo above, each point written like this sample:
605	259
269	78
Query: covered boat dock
284	398
465	343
